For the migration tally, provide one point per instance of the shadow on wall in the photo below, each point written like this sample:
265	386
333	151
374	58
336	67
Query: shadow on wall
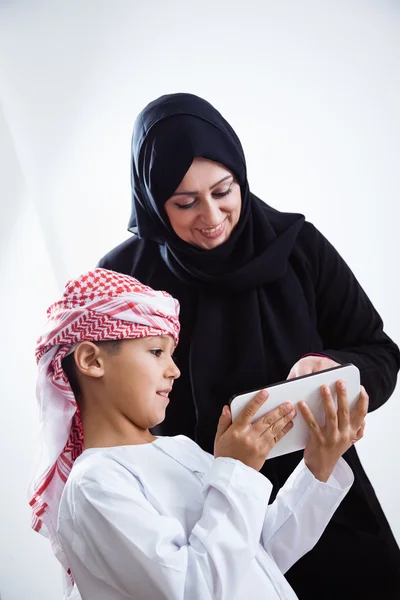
13	186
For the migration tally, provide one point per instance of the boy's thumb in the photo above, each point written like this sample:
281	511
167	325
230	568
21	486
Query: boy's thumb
224	422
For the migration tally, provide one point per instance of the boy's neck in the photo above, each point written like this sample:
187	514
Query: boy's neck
104	430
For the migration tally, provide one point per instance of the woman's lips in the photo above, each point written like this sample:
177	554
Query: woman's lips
213	232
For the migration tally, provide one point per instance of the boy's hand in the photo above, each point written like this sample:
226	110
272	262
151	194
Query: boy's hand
342	429
251	443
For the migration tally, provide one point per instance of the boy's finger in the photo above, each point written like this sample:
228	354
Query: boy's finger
360	433
248	412
308	418
225	421
283	431
343	413
360	410
274	421
273	417
331	418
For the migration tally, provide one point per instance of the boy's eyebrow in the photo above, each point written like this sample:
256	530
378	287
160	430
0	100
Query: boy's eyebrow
163	337
167	339
211	188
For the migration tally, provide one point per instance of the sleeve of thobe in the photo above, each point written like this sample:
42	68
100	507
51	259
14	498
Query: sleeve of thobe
301	511
120	538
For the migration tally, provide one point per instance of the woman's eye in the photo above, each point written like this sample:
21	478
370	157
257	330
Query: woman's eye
156	352
215	194
186	206
222	194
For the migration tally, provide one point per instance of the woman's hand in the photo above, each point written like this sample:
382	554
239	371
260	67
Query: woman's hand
327	443
311	364
251	443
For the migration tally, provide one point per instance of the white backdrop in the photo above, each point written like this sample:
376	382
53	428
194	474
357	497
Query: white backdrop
313	91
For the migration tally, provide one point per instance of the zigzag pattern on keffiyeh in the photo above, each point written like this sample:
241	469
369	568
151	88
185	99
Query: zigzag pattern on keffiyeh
100	305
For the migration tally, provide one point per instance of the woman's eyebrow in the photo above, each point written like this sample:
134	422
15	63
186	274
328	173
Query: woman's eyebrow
194	193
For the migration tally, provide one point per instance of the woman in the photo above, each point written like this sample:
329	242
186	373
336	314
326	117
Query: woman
263	296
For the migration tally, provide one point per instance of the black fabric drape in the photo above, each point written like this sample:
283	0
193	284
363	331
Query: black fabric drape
249	310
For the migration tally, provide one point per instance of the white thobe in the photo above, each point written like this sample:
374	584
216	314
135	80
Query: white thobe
167	521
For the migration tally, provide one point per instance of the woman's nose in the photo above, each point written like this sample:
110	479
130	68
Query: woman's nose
210	213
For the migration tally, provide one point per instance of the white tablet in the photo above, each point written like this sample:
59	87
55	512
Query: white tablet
305	388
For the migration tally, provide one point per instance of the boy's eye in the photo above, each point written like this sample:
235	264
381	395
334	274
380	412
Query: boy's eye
157	352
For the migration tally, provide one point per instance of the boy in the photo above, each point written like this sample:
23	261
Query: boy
134	516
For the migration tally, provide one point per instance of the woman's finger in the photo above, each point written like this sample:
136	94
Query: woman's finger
300	369
331	420
311	364
308	417
343	412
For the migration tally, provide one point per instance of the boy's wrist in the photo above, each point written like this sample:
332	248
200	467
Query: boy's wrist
321	471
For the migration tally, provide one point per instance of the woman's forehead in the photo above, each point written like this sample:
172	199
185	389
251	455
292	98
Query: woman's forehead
205	171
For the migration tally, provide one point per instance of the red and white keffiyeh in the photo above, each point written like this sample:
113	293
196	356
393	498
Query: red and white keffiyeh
100	305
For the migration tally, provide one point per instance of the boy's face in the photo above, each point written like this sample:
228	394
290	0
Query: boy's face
139	377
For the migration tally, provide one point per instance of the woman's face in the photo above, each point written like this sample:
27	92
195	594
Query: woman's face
205	208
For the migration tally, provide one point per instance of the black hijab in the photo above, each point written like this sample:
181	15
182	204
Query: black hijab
247	305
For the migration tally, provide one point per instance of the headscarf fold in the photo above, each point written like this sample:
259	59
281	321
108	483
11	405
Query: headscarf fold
245	312
100	305
168	134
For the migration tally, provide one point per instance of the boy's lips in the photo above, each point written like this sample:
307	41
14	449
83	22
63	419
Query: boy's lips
164	393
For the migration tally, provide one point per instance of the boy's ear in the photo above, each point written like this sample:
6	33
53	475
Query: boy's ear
89	359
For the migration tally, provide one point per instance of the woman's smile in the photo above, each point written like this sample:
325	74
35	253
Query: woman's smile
214	232
206	217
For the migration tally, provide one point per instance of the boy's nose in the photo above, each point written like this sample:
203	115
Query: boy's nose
173	370
177	372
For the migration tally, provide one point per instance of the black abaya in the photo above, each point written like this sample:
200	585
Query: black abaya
250	309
